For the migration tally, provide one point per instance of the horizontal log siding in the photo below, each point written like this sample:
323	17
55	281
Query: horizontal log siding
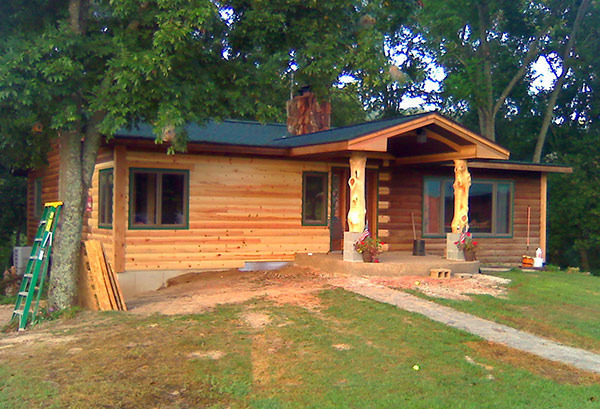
401	192
91	231
240	209
49	175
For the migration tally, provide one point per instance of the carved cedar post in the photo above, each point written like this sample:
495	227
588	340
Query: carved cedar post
356	214
462	183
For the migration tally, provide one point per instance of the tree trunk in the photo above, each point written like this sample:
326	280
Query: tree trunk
548	115
487	123
65	262
585	262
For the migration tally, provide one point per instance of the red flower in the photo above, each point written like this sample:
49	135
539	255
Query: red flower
468	234
382	243
362	242
376	260
474	243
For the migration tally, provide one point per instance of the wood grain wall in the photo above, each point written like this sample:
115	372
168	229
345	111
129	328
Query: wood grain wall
91	231
240	209
49	176
401	192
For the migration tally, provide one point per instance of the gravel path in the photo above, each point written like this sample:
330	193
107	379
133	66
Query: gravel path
488	330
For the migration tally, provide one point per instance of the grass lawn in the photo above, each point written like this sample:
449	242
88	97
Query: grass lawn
349	353
563	307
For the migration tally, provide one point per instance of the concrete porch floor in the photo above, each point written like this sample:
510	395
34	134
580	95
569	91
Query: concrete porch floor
391	263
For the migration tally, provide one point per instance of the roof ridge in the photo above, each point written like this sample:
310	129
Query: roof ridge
356	125
248	121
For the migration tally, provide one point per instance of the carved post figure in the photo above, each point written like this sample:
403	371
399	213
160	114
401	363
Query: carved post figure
462	183
356	214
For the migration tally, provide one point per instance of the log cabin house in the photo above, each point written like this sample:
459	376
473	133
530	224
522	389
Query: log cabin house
246	192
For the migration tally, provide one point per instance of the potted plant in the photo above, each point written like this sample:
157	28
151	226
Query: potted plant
369	248
468	246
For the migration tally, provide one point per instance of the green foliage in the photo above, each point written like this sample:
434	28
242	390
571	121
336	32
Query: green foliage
13	221
574	211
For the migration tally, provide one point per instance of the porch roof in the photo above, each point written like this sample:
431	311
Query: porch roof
420	138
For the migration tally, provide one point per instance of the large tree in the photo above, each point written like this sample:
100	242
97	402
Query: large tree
79	70
487	48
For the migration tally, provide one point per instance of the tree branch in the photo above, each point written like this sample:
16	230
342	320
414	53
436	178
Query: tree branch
567	60
532	51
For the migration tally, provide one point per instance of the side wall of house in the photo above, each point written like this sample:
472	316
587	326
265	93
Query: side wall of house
240	209
48	175
401	193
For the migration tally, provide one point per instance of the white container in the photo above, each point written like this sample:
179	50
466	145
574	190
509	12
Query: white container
20	258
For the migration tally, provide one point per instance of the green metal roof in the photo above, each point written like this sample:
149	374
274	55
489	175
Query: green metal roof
249	133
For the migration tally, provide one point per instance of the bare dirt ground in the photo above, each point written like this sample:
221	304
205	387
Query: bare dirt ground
6	312
453	288
199	292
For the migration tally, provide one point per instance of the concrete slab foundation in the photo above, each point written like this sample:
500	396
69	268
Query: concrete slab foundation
135	282
391	263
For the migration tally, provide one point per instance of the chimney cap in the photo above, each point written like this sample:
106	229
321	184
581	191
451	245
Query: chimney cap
304	89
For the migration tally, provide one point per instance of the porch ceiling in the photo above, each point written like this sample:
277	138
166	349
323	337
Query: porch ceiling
426	139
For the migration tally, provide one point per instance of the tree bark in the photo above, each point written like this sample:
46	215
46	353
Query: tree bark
566	58
65	259
585	262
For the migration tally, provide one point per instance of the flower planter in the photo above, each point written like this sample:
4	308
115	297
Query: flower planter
470	255
367	257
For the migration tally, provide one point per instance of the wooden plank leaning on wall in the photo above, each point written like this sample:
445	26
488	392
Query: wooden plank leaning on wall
119	208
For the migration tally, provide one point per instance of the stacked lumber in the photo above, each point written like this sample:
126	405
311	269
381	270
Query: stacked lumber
99	288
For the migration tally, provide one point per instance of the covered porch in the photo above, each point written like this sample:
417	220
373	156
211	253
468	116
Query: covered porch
388	152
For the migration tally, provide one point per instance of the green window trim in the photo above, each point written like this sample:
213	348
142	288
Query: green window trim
494	221
159	172
317	221
38	204
103	201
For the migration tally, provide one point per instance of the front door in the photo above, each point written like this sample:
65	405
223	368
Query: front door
340	204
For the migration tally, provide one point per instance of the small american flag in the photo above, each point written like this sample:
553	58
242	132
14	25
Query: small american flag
364	234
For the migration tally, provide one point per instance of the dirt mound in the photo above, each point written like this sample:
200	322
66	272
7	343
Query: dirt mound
198	292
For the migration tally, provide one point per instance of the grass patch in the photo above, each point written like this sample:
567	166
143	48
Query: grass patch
8	299
353	353
551	304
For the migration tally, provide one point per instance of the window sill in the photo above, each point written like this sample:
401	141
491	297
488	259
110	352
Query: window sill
170	227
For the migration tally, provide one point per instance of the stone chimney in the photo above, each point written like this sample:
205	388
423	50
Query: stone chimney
306	115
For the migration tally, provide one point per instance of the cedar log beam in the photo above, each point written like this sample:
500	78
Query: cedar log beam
356	214
462	183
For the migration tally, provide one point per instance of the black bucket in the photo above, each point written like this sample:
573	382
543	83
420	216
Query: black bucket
418	247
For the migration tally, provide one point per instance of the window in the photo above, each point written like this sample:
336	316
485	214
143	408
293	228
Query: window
158	198
38	204
105	198
490	207
314	199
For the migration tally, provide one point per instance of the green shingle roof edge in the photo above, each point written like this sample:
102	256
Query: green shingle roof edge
256	134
